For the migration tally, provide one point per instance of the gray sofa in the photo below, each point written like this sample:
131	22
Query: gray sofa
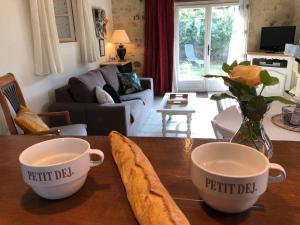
78	97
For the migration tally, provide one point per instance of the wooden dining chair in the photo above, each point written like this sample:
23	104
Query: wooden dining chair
11	91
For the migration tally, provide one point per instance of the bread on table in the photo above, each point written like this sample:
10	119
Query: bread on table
149	200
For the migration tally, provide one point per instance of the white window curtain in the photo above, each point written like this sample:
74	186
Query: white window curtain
239	38
85	31
45	38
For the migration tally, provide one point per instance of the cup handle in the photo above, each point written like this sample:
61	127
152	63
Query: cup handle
280	177
100	154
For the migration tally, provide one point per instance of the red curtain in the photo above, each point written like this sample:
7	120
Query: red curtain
159	43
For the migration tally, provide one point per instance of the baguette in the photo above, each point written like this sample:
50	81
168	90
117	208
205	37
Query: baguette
149	200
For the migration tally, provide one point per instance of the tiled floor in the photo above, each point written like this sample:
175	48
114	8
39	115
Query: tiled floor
205	108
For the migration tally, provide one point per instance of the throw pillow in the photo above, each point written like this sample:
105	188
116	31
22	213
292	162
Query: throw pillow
130	83
111	91
102	96
82	87
29	121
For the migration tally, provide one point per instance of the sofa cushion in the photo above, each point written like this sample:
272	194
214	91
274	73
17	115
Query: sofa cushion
145	96
111	91
129	82
63	94
83	87
110	75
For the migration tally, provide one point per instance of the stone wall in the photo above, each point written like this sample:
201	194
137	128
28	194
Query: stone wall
271	13
129	15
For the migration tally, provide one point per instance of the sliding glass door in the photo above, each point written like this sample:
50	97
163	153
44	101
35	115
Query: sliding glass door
203	35
192	38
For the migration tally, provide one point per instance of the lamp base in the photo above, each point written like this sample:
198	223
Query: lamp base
121	51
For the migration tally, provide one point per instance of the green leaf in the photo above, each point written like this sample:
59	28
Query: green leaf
246	97
280	99
234	64
213	76
218	97
226	68
267	79
255	108
241	91
245	63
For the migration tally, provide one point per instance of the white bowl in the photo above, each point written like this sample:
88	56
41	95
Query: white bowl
230	177
60	191
58	168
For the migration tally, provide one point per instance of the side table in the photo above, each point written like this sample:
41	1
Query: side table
124	67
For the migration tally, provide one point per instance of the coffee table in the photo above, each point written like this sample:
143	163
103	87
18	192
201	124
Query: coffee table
170	110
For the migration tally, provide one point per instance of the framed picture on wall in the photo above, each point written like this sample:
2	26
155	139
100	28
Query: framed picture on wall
101	21
102	47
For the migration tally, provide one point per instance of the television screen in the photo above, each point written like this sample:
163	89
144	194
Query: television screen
275	38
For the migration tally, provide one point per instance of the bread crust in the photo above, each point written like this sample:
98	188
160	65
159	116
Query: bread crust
149	200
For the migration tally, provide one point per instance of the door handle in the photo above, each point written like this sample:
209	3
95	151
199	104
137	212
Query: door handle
208	50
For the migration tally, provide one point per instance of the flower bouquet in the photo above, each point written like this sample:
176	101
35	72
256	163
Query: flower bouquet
242	81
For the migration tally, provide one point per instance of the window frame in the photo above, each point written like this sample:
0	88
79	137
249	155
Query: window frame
70	16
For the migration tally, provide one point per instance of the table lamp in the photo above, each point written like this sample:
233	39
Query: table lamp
120	37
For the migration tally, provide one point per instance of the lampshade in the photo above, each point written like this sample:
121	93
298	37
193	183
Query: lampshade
120	37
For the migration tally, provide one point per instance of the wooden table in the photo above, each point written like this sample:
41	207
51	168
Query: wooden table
103	199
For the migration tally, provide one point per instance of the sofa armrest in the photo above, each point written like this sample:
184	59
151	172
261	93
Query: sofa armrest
100	119
147	83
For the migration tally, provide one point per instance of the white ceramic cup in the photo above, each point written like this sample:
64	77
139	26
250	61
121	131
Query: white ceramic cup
231	177
58	168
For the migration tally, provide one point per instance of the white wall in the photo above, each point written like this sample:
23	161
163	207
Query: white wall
16	54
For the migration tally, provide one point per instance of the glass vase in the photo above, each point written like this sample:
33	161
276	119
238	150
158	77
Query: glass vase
252	134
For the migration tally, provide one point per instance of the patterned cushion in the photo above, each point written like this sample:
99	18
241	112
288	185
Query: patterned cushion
29	121
130	83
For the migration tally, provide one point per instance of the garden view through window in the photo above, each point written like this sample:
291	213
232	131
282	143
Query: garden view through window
205	33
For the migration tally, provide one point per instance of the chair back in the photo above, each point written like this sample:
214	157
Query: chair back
190	52
296	73
225	103
220	132
10	91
